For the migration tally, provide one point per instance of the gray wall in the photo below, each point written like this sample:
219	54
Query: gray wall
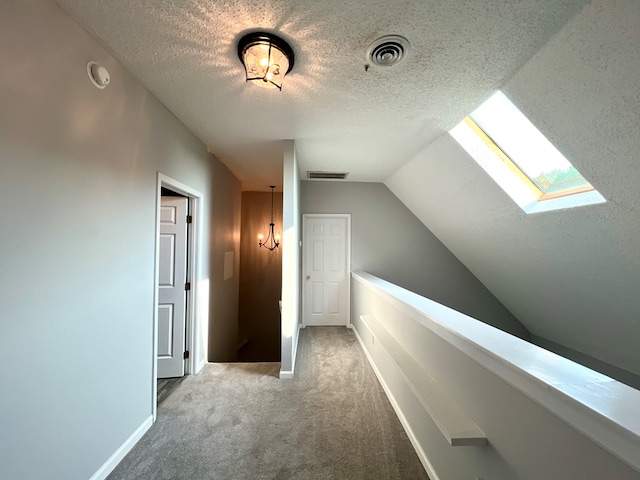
78	171
570	276
291	281
612	371
388	241
260	280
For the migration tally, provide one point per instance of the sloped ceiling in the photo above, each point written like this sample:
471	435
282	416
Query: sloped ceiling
341	117
571	276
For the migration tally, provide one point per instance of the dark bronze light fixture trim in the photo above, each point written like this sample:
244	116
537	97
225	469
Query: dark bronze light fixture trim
272	241
266	57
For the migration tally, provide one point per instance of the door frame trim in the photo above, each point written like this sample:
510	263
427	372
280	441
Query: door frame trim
347	260
192	333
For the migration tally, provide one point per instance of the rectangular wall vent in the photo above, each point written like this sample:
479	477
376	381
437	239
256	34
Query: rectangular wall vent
327	175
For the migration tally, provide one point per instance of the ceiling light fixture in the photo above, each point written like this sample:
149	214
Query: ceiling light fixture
272	240
266	57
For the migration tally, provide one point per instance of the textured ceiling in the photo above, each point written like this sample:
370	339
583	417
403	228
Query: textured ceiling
571	276
341	116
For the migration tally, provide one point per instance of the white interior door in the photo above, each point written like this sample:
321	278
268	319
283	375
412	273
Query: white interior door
326	264
171	286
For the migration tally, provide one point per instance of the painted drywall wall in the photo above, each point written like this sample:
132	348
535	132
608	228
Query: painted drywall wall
260	280
291	221
526	441
612	371
570	276
78	172
388	241
224	237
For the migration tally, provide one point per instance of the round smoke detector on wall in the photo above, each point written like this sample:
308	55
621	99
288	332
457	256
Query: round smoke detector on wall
387	51
98	75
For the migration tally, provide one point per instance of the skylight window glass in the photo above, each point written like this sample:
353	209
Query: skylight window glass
521	160
526	146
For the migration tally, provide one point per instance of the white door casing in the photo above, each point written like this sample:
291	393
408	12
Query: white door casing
172	271
326	260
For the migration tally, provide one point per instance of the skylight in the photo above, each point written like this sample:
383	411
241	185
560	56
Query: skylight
521	160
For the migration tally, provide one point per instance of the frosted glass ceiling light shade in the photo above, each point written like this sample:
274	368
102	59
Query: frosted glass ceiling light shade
267	58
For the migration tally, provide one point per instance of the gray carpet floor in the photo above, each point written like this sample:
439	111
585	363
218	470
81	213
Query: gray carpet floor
166	386
239	421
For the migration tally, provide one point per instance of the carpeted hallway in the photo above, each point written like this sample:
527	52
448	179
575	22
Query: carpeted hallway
239	421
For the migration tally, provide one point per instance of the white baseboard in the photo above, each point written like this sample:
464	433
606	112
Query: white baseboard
200	366
403	420
120	453
295	350
288	374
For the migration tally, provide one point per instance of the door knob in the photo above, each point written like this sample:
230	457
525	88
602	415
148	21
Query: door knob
308	277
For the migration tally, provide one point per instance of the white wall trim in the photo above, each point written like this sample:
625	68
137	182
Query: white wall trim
113	461
200	366
602	409
396	407
295	349
286	374
192	338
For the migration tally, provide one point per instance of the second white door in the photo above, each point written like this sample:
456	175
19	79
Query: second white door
171	286
326	267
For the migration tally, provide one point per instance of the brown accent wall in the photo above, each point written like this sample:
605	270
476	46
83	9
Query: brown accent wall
260	280
224	236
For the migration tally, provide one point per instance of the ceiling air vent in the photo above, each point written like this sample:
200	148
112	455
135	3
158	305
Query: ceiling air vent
387	51
327	175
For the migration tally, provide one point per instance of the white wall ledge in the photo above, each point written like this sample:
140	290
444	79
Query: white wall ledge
453	423
606	411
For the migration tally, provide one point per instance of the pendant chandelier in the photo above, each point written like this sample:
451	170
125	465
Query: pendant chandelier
272	241
267	58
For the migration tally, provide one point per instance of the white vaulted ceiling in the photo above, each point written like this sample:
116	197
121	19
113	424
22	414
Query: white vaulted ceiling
570	276
342	117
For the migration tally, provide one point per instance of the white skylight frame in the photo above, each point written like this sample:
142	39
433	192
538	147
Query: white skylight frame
529	148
